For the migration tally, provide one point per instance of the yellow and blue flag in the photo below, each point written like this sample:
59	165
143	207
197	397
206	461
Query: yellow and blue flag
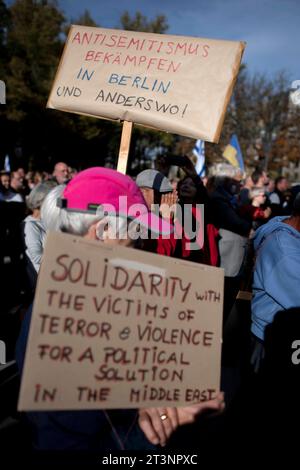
233	153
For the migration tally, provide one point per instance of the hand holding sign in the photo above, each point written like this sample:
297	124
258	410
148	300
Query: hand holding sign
159	423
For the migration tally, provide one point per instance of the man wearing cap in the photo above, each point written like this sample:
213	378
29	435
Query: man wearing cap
154	186
160	197
90	204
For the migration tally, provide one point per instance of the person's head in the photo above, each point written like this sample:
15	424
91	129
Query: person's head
228	177
266	178
248	182
103	204
271	186
187	190
153	184
257	196
30	179
225	170
16	181
205	180
5	180
281	184
46	176
50	211
61	173
37	195
72	172
37	177
21	172
259	178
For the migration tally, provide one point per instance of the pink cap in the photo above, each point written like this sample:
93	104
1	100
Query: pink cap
103	189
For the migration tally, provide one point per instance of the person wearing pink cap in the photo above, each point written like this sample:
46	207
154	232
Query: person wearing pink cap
102	195
91	204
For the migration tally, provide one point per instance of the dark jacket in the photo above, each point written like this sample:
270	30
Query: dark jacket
224	213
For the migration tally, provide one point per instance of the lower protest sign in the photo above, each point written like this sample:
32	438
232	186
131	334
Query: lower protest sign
114	327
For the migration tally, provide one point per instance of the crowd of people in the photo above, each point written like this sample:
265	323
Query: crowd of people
247	224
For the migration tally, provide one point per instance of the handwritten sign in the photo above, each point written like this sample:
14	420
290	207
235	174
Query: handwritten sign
173	83
120	328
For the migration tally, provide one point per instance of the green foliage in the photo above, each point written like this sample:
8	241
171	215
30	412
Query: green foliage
32	35
85	19
4	24
140	22
34	46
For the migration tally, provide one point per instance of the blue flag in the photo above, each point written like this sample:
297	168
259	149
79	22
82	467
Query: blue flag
199	152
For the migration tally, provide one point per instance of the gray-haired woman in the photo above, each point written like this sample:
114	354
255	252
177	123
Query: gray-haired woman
34	231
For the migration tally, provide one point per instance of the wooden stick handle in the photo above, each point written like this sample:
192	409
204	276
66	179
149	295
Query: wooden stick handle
124	146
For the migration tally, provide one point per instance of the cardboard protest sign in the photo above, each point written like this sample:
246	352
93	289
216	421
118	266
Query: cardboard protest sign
115	327
172	83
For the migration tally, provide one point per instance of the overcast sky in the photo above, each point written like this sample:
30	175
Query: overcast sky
271	28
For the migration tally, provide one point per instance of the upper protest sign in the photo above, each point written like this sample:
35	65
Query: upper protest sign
173	83
114	327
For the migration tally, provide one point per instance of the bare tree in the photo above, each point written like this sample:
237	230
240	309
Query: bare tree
261	115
